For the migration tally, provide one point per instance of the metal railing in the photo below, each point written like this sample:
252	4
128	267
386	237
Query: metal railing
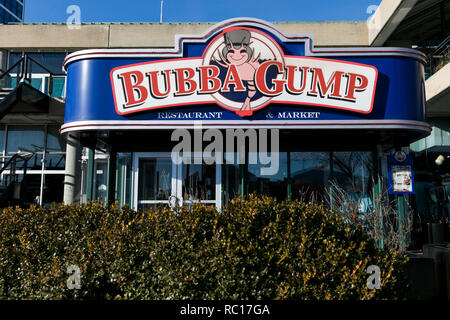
439	57
24	70
11	164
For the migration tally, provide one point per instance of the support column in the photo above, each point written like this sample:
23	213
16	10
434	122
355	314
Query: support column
72	177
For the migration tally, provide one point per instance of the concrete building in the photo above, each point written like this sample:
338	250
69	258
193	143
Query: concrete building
84	164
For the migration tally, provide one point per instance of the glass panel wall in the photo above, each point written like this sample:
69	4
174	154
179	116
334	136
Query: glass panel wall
232	179
29	142
52	61
352	173
27	139
155	182
268	182
307	175
310	173
56	149
199	182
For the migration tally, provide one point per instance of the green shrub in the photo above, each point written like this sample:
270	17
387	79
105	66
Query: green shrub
255	249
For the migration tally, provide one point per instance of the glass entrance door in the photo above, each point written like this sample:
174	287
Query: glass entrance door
154	180
157	180
201	182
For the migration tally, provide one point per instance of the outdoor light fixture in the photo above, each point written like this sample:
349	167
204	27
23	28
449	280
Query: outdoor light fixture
439	160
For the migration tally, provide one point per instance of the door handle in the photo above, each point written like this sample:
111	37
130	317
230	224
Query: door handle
173	198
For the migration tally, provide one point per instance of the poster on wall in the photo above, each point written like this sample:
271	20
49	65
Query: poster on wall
400	173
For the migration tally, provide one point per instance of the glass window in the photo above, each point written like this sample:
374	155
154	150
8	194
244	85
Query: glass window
51	60
310	172
56	147
58	86
155	178
268	182
352	172
199	182
26	139
231	181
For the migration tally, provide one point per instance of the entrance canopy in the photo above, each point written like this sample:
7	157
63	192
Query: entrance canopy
246	73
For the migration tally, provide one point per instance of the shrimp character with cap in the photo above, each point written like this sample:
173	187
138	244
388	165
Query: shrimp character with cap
237	52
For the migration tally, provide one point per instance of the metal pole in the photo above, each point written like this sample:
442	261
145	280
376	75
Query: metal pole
161	15
41	194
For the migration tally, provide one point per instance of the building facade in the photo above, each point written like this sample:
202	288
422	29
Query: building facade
340	98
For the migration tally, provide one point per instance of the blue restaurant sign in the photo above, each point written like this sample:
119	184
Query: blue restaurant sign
243	73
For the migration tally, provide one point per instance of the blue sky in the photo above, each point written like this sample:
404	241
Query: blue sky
199	10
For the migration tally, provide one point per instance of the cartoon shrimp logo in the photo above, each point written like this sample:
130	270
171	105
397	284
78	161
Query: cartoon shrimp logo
237	51
245	50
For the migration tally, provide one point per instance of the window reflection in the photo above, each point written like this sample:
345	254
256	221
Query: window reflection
28	139
231	181
56	147
155	179
310	172
274	185
199	182
51	60
351	173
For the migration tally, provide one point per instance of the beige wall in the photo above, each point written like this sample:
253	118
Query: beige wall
53	37
437	89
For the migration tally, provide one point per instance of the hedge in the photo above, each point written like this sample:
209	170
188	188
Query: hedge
256	248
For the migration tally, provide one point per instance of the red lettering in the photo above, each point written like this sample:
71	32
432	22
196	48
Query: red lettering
233	77
209	74
260	79
319	84
352	87
184	76
132	84
154	87
290	79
